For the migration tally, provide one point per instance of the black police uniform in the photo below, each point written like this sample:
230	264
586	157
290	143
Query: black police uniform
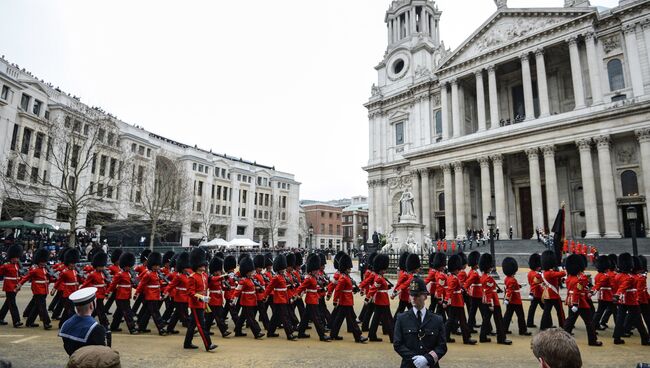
413	337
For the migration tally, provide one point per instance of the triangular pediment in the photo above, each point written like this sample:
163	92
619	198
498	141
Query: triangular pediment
511	25
398	115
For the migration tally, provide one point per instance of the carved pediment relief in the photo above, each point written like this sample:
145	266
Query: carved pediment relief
398	115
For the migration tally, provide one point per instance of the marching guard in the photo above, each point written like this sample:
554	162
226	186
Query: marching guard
11	273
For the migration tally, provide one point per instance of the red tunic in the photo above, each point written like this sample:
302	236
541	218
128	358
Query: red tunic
68	282
114	269
513	291
642	287
381	291
344	287
121	285
277	287
96	279
627	292
39	278
454	294
197	284
577	290
430	280
10	271
216	291
551	280
260	280
473	284
149	285
177	288
229	293
535	283
612	278
441	286
490	296
403	286
309	286
603	286
246	292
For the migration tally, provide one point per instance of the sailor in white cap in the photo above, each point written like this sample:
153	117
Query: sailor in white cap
82	329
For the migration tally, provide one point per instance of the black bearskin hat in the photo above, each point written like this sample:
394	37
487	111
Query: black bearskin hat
71	257
548	260
336	259
472	259
313	263
625	263
371	261
229	263
412	262
41	255
602	264
115	256
463	258
62	254
127	259
100	259
439	260
172	262
585	262
636	264
323	259
242	256
298	260
573	264
381	262
454	263
258	261
197	258
279	263
246	266
92	253
613	261
485	262
268	260
534	261
167	257
644	263
345	263
402	261
15	251
144	255
182	262
431	256
155	259
509	266
291	259
216	264
220	255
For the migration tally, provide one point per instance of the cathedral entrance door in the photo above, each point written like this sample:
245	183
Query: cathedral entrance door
441	226
525	213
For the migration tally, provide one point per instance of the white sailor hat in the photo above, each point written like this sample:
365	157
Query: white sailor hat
83	296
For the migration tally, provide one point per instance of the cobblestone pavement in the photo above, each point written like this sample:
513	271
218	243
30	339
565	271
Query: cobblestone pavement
36	348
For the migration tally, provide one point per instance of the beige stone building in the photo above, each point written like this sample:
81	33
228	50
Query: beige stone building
538	106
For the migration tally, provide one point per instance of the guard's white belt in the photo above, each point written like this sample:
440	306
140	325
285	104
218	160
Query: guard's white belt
124	286
184	289
41	282
383	291
630	290
153	286
99	285
11	278
216	291
476	285
70	283
311	290
458	292
248	292
281	289
346	291
605	288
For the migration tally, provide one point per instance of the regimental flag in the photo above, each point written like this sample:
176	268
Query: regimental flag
558	231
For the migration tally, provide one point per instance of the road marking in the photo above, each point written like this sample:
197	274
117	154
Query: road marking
24	339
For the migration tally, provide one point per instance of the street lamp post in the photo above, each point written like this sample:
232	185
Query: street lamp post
364	227
311	234
491	222
631	217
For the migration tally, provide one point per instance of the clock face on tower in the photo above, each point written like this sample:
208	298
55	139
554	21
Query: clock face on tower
398	66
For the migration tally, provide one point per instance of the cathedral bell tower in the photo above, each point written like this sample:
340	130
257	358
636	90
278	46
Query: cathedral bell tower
414	46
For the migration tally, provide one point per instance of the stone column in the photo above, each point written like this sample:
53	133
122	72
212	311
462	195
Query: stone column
480	100
423	27
646	36
499	193
542	85
413	21
449	203
589	188
528	87
486	190
535	188
576	73
594	69
444	110
494	99
426	201
552	197
399	27
610	210
386	207
417	193
390	32
632	57
459	184
455	108
643	135
372	207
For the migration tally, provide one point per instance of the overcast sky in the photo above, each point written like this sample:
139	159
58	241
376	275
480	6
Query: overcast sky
279	82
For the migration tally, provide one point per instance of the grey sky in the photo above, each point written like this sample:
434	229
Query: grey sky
280	82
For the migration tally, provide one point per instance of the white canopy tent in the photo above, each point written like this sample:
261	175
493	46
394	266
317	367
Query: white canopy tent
216	242
243	242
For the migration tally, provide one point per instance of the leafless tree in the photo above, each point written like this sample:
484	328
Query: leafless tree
162	191
277	219
207	216
66	167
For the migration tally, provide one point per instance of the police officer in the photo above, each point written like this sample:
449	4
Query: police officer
82	329
419	334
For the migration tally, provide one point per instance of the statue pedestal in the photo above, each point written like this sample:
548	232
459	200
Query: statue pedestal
405	227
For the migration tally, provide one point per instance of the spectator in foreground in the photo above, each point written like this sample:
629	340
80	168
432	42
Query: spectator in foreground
555	348
94	356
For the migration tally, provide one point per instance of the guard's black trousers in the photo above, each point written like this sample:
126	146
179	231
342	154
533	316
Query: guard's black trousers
401	307
100	312
534	303
216	314
55	301
476	304
280	316
457	317
498	323
109	303
633	312
517	309
170	306
603	307
587	318
381	315
547	320
324	312
346	312
441	311
151	310
264	318
180	314
68	310
311	313
247	315
123	309
197	320
229	309
367	317
11	307
39	308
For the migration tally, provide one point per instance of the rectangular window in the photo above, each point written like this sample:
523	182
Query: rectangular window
93	164
77	126
133	147
330	228
91	188
38	145
198	206
14	137
399	134
111	170
138	196
109	191
62	214
10	168
194	166
200	168
218	192
241	230
72	182
282	232
266	200
223	210
5	93
141	150
22	171
243	196
223	173
86	129
100	135
338	229
27	137
238	177
75	155
24	102
322	228
100	189
243	212
148	152
36	109
140	175
212	192
200	189
102	165
110	139
34	176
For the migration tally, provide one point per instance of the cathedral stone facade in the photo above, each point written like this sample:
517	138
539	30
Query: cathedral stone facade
537	107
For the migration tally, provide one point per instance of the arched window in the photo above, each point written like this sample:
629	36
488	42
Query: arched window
438	122
629	183
615	73
441	202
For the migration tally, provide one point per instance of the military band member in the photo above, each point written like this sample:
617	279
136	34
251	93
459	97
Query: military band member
40	281
603	289
627	298
11	273
512	297
440	263
402	285
113	270
454	302
346	302
491	299
535	287
229	265
177	290
576	300
258	261
56	306
198	298
69	282
81	329
97	280
278	288
551	279
215	289
419	334
140	270
246	294
121	288
381	300
367	287
474	290
309	287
